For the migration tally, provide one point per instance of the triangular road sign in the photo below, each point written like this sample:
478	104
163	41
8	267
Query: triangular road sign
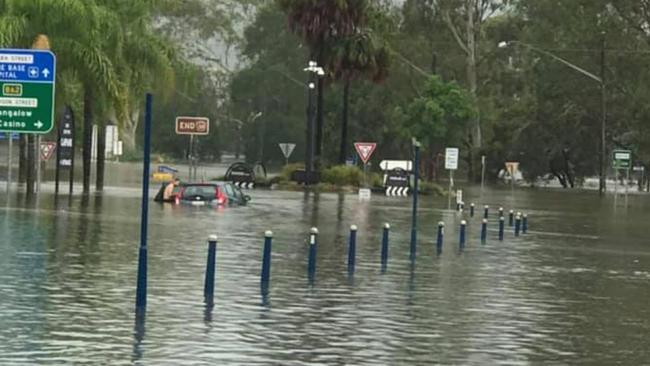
365	150
47	149
287	149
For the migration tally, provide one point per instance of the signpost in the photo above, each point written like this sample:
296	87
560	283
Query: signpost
27	79
451	164
65	148
287	149
365	150
621	159
192	126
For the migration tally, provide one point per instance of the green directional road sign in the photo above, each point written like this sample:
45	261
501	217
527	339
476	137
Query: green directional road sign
621	159
27	90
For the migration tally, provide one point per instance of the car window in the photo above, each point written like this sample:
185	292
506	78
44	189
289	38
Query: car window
205	191
229	191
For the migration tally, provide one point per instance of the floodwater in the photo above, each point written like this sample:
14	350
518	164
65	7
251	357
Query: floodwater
574	290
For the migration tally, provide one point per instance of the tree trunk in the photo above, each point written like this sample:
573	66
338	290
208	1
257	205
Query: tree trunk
129	131
87	137
343	153
22	158
101	157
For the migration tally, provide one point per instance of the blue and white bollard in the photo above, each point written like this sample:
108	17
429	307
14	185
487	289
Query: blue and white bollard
511	216
486	211
440	237
471	210
208	288
524	224
484	231
501	227
461	244
517	224
266	259
384	247
352	248
313	246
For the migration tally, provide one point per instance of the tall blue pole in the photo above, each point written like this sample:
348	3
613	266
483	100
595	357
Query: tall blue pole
384	247
501	225
414	218
524	223
208	288
352	249
266	258
313	246
517	224
141	290
461	243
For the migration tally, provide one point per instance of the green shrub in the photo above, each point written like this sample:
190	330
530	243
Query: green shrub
431	188
342	175
287	170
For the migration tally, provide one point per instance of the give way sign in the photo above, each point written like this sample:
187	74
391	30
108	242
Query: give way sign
365	150
47	149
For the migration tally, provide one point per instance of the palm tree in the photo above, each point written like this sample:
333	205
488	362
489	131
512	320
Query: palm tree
79	33
142	60
353	57
319	22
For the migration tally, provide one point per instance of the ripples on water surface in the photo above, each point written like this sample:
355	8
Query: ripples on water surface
554	296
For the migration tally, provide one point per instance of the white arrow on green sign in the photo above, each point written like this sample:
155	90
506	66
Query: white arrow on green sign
27	79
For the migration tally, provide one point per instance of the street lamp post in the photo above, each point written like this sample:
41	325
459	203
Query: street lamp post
314	71
603	97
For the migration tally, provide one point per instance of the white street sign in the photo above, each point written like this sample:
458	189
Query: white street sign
393	164
287	149
451	158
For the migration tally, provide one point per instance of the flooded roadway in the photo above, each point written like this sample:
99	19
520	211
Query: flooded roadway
574	290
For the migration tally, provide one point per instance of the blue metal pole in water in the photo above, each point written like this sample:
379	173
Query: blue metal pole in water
384	247
471	210
414	219
440	237
352	248
524	224
517	224
511	216
462	234
141	290
313	246
484	231
208	288
266	259
501	227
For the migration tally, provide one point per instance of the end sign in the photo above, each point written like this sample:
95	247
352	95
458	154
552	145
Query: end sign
27	79
192	125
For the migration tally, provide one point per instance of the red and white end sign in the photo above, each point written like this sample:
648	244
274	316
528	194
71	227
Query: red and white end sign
192	125
365	150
